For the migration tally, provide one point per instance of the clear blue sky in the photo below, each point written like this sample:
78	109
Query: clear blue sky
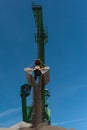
66	55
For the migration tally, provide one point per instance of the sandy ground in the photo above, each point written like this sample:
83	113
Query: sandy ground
27	126
45	128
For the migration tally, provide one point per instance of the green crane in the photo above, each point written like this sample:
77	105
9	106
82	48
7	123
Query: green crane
31	113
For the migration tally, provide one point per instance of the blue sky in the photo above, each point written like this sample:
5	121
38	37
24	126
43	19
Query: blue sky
65	54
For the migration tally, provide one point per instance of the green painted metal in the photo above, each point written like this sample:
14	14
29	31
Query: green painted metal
46	109
41	36
29	114
24	112
25	91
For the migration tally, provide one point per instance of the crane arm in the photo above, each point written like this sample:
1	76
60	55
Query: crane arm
37	9
41	35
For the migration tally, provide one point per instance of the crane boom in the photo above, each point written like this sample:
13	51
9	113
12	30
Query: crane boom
41	35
